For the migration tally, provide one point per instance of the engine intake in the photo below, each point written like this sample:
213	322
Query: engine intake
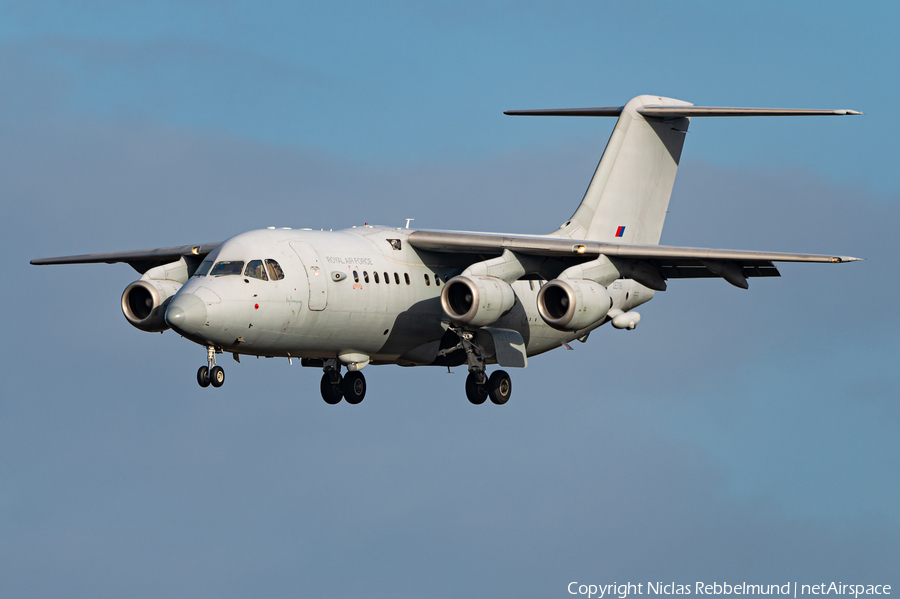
573	304
476	300
144	303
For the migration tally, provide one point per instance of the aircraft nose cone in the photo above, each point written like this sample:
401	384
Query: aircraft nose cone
186	312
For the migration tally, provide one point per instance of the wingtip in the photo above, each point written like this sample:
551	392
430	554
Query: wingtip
840	259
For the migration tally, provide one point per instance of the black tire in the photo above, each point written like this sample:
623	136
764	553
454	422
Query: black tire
203	376
331	392
499	387
217	376
354	387
475	391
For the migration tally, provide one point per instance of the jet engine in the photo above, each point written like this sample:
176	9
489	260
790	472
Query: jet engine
144	303
477	300
573	304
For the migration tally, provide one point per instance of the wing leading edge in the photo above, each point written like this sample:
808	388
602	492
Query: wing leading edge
140	260
671	262
478	243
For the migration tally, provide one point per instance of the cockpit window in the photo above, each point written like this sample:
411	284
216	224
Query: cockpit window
203	268
227	268
255	270
275	272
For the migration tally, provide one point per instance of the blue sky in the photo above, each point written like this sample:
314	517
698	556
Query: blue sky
735	435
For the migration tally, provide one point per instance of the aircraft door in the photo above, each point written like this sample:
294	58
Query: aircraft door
315	273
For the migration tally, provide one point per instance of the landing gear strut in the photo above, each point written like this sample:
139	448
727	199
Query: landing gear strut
211	374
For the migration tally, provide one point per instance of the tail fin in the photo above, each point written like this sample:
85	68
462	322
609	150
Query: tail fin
627	198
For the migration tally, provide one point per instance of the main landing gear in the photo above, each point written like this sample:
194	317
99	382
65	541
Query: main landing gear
478	385
334	387
211	374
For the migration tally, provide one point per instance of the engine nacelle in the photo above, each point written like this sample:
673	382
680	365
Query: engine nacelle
573	304
144	303
477	300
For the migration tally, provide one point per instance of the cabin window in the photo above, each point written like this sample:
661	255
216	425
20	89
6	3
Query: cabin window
531	285
396	278
255	270
355	277
375	274
406	277
275	272
427	280
387	279
233	267
366	276
203	269
437	280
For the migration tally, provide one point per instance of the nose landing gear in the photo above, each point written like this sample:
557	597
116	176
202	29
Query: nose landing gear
211	374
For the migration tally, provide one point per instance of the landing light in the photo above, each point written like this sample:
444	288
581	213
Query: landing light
579	249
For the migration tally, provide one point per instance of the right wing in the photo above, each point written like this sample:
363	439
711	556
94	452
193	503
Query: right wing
669	262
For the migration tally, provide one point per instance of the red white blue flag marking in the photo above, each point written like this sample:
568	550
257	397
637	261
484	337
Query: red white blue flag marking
620	231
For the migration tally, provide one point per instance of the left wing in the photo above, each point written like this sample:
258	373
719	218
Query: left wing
140	260
671	262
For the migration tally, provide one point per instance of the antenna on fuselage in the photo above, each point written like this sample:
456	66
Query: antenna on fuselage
408	221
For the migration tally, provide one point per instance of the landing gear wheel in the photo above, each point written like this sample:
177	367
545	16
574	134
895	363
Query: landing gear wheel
217	376
475	391
331	392
354	387
499	387
203	376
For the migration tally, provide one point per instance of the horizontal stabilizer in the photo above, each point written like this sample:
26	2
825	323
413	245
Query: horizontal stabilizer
607	111
673	112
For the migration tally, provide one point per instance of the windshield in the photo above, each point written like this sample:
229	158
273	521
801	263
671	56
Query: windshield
275	272
203	268
255	270
227	268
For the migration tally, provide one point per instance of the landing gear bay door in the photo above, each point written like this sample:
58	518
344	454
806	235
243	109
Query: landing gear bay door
508	346
315	273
